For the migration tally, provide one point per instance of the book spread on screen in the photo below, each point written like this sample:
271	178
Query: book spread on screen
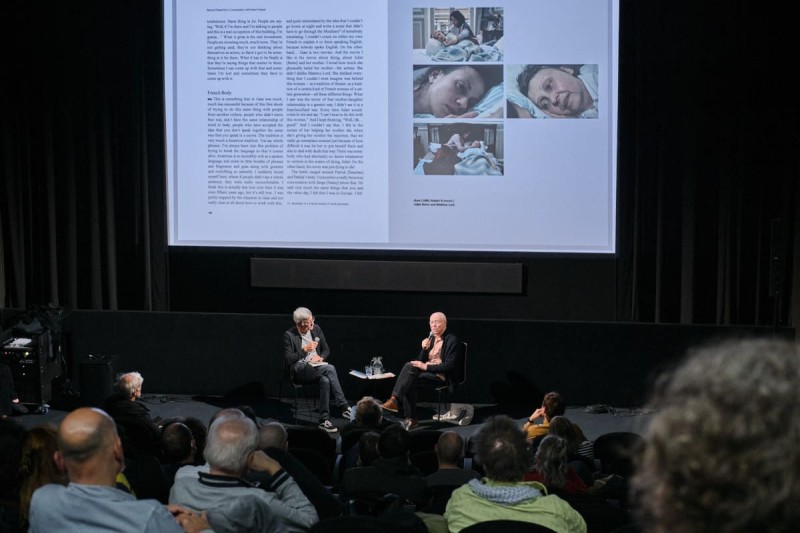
396	125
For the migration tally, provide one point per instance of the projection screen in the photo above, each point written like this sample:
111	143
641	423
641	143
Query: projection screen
392	125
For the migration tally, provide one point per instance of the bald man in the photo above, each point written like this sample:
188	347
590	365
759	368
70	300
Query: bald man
436	361
91	453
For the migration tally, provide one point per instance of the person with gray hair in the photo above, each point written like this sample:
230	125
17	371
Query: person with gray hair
306	352
721	450
139	431
234	504
501	449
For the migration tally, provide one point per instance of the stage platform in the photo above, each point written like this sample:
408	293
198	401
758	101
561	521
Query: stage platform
202	407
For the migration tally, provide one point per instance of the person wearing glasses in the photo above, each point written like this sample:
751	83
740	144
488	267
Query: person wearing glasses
306	353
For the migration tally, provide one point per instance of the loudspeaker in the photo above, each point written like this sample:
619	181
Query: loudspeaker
96	379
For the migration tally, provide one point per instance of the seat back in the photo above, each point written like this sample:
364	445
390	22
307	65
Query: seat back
459	375
616	452
507	526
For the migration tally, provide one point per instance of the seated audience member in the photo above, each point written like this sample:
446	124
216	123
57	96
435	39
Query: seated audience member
368	448
232	450
178	449
554	471
12	437
304	348
369	415
38	465
91	453
553	404
501	450
138	431
434	366
273	439
449	453
579	449
390	473
199	432
552	468
721	450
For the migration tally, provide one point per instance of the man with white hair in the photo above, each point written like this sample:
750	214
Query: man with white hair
233	502
306	352
138	430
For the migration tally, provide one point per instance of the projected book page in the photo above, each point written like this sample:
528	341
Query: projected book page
391	125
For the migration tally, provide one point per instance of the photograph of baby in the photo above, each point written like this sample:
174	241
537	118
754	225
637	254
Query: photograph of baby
552	91
458	148
458	91
454	35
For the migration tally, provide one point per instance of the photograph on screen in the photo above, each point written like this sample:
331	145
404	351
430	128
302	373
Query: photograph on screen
458	148
458	91
552	91
450	35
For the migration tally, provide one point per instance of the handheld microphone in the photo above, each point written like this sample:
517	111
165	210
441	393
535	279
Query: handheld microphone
431	339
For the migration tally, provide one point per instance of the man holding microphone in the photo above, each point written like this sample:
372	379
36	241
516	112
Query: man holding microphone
436	361
306	351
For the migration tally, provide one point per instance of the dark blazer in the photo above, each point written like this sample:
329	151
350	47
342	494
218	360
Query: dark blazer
449	356
292	347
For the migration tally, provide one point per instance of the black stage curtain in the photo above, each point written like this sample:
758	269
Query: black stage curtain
708	162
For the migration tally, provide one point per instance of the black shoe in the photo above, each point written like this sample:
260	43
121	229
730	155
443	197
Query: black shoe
19	409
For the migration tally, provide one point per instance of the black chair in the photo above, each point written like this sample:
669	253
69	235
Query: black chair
299	390
457	378
422	440
440	495
316	463
425	461
398	523
312	438
616	452
506	526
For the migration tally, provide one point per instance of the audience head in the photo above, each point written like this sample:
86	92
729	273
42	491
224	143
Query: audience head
12	436
721	451
501	449
369	412
177	443
449	448
368	448
129	385
551	461
393	442
228	411
89	448
273	435
199	432
554	405
232	439
38	466
560	426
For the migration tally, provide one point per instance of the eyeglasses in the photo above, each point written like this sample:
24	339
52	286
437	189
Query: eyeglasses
306	322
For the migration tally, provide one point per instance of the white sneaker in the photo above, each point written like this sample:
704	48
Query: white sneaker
327	426
348	413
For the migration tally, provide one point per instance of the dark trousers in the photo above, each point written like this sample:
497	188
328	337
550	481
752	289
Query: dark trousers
405	388
328	382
